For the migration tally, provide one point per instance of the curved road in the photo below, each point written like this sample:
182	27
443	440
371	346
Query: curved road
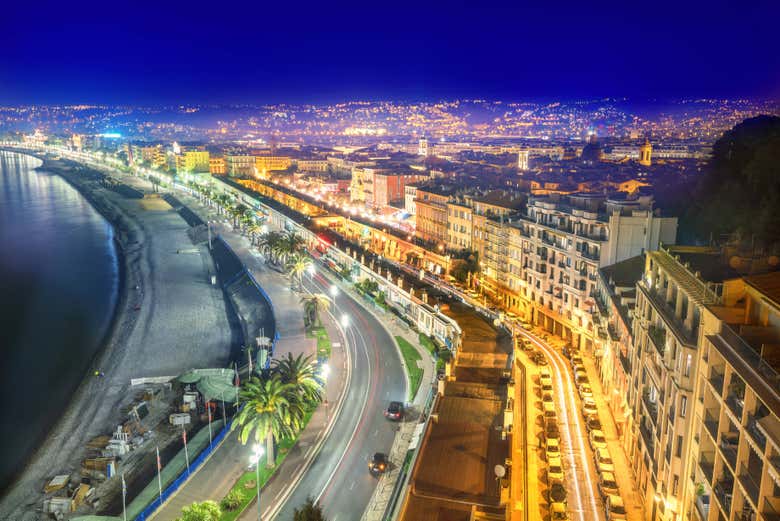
339	477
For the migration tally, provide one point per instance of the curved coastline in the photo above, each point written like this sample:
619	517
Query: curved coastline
120	315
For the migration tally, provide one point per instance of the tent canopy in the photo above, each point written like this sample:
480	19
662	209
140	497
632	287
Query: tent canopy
213	384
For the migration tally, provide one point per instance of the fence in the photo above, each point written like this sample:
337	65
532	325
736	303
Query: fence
147	509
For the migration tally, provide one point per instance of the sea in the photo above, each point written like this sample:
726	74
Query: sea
59	284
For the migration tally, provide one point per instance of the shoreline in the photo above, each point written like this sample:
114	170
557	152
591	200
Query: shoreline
143	322
120	316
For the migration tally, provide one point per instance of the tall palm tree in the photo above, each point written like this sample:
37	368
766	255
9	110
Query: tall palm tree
299	373
296	265
253	228
312	305
268	244
292	243
266	413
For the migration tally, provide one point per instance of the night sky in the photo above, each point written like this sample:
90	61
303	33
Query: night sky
258	52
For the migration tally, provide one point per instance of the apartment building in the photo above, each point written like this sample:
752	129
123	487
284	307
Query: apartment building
193	161
735	447
459	225
557	247
410	194
217	166
265	164
390	187
240	165
431	208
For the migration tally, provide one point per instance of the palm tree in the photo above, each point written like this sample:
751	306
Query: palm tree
312	305
268	243
266	413
296	265
253	229
292	243
300	374
309	511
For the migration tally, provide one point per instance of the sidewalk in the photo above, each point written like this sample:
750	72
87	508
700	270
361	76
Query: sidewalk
231	459
623	474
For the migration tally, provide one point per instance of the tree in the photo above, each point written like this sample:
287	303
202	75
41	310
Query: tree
253	228
296	265
268	244
309	511
739	193
298	372
266	413
205	511
312	305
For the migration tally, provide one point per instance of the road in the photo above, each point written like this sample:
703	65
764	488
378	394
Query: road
581	477
339	476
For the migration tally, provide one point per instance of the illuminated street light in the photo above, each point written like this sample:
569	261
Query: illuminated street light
325	371
334	290
257	453
344	320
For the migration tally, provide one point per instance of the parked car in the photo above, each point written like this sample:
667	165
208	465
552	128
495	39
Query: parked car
586	391
540	359
554	470
589	407
558	512
581	377
395	411
597	440
378	464
576	359
557	493
592	422
615	508
603	461
551	430
547	397
547	388
608	485
527	345
553	448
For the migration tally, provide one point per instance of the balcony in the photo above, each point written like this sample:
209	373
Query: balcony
658	337
716	379
748	483
651	406
703	506
755	433
671	414
736	404
666	310
723	490
729	443
647	437
770	511
707	465
625	362
711	424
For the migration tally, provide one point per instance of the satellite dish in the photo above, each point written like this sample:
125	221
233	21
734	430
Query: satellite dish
500	471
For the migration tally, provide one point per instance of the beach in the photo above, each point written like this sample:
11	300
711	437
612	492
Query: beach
168	318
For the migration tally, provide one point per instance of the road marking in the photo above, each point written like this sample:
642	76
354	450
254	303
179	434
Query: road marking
352	485
376	432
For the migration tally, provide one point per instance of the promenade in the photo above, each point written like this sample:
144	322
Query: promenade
168	319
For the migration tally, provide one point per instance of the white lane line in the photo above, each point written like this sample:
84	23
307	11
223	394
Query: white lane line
352	485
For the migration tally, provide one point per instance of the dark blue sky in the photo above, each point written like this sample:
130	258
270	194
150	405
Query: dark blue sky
222	51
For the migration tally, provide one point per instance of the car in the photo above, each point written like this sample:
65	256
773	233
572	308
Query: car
581	377
554	470
608	485
526	326
378	464
557	493
615	508
539	358
576	359
527	345
586	391
603	461
395	411
545	379
547	388
593	422
551	430
597	440
558	511
547	397
553	448
589	407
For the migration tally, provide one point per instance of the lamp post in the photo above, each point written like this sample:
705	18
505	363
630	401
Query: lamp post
257	453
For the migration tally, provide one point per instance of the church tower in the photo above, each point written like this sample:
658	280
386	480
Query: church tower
645	153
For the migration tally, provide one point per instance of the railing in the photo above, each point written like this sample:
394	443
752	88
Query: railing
751	358
711	424
751	487
647	436
723	491
755	433
769	513
736	404
652	407
667	314
730	453
625	362
707	464
716	379
658	337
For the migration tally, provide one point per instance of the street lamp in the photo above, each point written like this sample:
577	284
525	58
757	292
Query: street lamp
257	453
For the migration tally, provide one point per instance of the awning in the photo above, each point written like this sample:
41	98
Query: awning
213	384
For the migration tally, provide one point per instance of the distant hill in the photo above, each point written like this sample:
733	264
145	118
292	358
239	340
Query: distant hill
739	194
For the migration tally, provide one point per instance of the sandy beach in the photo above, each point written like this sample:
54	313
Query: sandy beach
169	318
